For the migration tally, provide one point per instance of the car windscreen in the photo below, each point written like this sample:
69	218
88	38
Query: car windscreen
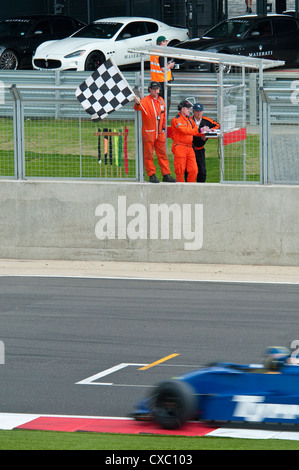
14	28
229	29
98	31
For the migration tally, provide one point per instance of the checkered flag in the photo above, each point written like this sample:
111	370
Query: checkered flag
105	91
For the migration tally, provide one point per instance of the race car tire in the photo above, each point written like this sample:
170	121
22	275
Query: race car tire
9	60
173	403
94	60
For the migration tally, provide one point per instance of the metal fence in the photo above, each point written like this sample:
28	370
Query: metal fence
240	145
45	133
281	142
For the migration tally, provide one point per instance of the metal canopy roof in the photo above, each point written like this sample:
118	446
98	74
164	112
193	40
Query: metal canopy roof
211	57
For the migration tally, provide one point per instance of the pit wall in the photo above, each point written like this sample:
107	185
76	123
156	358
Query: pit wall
112	221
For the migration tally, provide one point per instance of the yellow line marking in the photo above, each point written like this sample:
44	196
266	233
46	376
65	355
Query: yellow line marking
158	362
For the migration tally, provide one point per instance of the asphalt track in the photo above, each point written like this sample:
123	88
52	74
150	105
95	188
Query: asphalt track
77	345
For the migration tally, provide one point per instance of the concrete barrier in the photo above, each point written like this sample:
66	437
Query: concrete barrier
108	221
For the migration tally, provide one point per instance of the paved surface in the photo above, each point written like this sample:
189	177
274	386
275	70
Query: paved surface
76	345
234	273
77	334
238	7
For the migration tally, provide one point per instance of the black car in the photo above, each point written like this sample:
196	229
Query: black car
290	12
272	36
20	36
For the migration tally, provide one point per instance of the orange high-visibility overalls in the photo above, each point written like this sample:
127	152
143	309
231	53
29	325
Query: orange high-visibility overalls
153	134
183	129
157	75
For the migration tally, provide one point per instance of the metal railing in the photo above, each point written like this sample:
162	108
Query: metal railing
278	80
64	83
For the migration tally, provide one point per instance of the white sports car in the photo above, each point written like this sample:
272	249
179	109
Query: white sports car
89	47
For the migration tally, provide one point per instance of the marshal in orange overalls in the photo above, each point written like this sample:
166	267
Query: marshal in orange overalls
183	129
153	134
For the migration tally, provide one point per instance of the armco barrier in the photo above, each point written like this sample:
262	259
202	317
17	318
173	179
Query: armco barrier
192	223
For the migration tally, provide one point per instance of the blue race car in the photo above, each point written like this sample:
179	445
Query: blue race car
267	393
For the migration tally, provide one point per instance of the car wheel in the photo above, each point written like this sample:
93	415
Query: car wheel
173	403
9	60
226	68
94	60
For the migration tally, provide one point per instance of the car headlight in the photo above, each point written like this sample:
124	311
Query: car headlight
74	54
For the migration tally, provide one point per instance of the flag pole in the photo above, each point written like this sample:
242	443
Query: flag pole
137	95
106	149
99	152
111	153
142	108
119	150
126	150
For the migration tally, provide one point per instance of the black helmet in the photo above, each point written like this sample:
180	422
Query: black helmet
154	85
184	104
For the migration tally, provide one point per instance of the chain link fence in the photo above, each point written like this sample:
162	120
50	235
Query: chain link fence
78	148
281	117
7	152
51	136
241	143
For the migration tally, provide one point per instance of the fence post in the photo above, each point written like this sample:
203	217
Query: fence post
18	118
2	353
57	83
138	134
220	117
252	99
244	123
265	141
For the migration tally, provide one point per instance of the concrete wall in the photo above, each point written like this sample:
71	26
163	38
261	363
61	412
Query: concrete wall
235	224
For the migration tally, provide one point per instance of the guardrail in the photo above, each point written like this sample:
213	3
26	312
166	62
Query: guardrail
55	85
67	81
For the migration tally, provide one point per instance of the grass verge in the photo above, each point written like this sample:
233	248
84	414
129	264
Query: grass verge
63	149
